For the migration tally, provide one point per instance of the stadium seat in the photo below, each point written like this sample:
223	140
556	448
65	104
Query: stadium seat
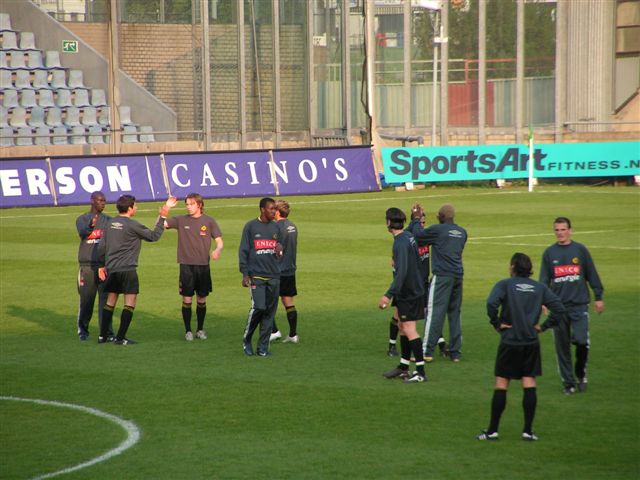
58	79
125	115
98	97
129	134
27	41
42	136
5	22
24	137
52	60
146	134
45	98
28	98
53	117
75	79
40	79
9	41
81	97
34	60
6	137
18	117
4	60
63	98
95	135
23	80
78	136
4	117
10	98
6	80
17	60
104	116
36	119
72	117
62	139
90	116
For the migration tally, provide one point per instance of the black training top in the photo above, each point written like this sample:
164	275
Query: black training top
90	237
123	240
408	282
257	251
448	241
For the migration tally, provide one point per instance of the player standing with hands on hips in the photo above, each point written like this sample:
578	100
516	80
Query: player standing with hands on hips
195	231
514	308
567	268
258	258
407	291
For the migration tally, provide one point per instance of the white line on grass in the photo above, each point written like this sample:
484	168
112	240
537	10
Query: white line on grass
591	247
133	433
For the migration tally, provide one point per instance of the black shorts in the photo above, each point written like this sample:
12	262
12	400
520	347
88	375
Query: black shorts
288	286
122	282
517	361
410	310
195	279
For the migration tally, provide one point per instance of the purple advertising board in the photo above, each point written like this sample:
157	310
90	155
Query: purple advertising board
70	180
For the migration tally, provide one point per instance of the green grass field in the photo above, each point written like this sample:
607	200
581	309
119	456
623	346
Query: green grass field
319	409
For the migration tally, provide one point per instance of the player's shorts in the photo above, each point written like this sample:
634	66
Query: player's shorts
517	361
410	310
195	279
288	286
122	282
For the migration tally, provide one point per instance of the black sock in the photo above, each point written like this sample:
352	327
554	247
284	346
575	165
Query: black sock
186	316
393	330
107	318
292	318
416	349
498	403
582	353
405	353
201	311
125	320
529	401
274	329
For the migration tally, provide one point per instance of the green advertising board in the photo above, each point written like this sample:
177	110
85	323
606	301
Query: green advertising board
491	162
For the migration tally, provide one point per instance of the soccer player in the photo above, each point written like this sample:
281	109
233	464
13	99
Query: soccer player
120	252
195	231
258	258
407	292
514	306
91	226
447	241
288	290
567	268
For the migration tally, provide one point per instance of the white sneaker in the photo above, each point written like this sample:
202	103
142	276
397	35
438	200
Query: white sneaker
275	336
201	335
289	339
188	337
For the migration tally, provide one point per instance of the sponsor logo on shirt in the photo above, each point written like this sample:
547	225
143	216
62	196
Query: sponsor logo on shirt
525	287
116	225
423	252
455	233
95	236
567	273
264	246
291	229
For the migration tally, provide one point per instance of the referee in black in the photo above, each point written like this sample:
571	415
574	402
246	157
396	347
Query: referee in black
514	307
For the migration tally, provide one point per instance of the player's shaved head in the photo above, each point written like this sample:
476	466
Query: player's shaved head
446	213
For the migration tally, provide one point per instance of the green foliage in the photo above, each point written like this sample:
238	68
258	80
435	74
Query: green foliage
319	409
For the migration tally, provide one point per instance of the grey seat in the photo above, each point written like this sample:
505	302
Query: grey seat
62	139
78	135
4	117
23	80
129	134
9	41
28	99
90	116
42	136
10	98
17	60
4	59
27	41
63	98
52	60
37	117
75	79
95	135
18	117
45	98
24	137
72	117
6	80
6	137
146	134
58	79
104	116
40	79
98	97
34	60
53	117
81	97
125	115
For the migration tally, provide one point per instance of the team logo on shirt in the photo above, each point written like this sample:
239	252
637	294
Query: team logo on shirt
203	230
567	273
455	233
575	260
117	225
525	288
